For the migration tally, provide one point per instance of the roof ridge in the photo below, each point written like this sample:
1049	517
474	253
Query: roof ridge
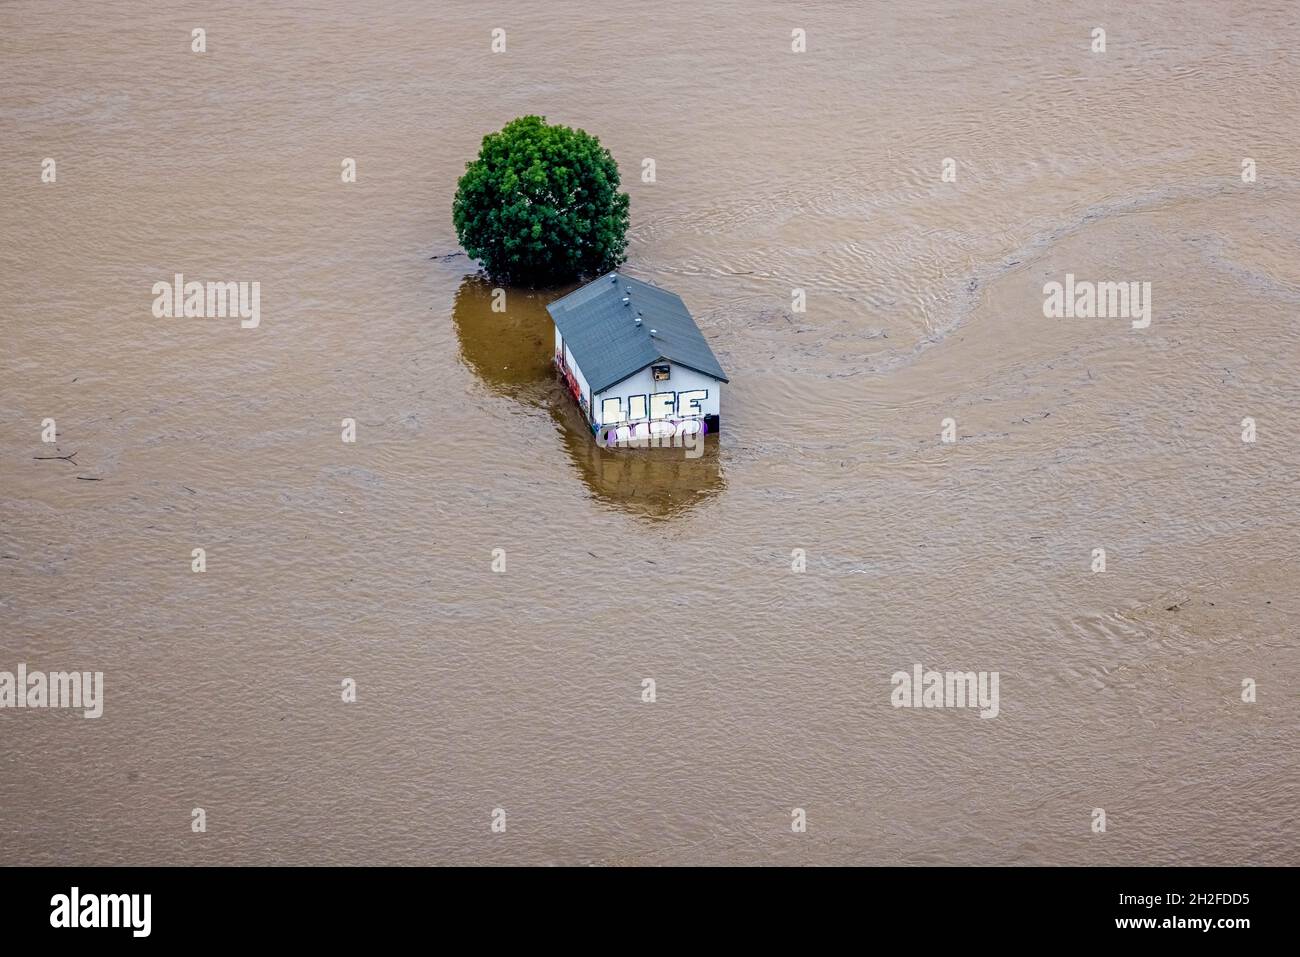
574	292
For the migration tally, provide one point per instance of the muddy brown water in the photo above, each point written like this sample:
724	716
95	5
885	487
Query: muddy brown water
775	171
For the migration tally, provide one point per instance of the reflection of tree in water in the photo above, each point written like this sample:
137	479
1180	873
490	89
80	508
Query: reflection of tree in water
510	353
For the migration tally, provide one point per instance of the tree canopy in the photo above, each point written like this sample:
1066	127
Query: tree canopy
540	205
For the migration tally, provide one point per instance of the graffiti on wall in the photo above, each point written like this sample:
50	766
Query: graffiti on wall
660	432
660	406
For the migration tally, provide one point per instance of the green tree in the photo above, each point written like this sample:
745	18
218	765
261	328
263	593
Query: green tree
541	205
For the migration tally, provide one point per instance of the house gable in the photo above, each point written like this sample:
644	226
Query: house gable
686	393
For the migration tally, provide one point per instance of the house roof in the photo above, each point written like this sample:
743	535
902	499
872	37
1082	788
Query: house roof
608	345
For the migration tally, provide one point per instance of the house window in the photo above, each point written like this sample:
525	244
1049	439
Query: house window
660	373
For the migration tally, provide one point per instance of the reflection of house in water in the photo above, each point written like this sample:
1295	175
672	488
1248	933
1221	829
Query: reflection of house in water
646	483
636	361
510	354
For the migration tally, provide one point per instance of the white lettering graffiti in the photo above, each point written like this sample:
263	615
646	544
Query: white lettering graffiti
657	407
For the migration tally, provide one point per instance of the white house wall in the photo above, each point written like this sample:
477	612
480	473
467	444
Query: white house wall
577	374
680	379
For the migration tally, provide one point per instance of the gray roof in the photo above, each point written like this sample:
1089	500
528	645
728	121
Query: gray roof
608	345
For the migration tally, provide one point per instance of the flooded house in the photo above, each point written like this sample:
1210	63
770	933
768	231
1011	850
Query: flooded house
635	361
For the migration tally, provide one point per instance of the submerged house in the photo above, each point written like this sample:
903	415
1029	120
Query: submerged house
636	361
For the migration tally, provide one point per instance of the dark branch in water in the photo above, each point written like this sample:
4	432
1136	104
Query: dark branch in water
61	458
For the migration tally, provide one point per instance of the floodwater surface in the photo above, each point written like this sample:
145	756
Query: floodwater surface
521	689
